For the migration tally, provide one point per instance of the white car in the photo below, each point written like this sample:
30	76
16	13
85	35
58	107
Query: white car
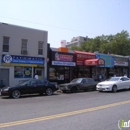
113	84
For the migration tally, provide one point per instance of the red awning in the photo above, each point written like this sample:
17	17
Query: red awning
85	53
95	62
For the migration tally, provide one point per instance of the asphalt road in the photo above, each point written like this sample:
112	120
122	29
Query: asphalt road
80	111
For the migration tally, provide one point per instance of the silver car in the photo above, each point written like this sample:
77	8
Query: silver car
114	84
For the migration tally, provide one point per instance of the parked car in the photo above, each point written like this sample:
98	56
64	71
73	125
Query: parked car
78	84
114	84
30	87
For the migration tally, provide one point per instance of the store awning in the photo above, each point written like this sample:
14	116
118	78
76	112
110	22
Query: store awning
95	62
85	53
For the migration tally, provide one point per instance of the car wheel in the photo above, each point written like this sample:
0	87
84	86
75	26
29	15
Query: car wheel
16	94
74	90
114	89
49	91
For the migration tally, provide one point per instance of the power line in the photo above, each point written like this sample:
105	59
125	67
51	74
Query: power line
49	25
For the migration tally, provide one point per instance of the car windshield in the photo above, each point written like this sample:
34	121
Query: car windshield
78	80
113	79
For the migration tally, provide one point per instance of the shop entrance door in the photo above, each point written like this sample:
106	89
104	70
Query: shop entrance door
39	71
67	74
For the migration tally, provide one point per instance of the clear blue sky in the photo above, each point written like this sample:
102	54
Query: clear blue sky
65	19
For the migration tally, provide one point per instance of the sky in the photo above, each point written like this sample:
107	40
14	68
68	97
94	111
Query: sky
65	19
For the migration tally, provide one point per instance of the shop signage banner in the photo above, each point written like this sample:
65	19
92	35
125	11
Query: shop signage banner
80	58
60	63
63	59
120	63
14	59
109	60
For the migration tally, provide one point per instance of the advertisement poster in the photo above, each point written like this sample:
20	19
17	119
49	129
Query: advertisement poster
22	72
63	59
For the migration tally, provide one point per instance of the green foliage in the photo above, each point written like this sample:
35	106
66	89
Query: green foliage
76	48
114	44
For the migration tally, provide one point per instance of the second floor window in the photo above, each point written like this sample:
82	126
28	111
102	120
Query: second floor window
5	44
40	48
24	45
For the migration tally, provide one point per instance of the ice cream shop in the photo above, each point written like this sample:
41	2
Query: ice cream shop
60	65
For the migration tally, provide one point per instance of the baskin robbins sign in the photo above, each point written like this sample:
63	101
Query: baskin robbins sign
63	59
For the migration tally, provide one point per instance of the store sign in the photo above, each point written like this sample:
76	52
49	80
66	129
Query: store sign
22	60
82	57
60	63
120	63
63	57
109	61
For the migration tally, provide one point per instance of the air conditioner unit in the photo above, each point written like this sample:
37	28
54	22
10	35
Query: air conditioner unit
24	52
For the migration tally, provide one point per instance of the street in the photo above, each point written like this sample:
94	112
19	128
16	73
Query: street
90	110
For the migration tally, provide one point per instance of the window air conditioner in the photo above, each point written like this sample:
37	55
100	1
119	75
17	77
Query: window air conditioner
24	52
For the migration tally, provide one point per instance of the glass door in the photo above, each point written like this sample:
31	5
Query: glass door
67	74
39	72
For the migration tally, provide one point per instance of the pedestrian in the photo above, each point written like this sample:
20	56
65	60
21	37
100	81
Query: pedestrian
125	75
114	75
100	78
36	76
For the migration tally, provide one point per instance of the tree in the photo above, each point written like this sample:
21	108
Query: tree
75	48
114	44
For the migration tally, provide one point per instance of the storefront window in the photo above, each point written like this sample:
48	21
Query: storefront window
83	72
22	72
67	73
52	74
56	73
99	72
60	73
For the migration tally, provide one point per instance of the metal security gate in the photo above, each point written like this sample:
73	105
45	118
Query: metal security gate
4	75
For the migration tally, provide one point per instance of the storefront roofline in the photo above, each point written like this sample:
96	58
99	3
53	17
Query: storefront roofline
85	53
56	50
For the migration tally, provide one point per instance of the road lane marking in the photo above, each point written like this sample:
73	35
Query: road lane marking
15	123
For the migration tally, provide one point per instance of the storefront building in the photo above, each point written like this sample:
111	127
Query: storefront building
61	62
121	65
22	67
23	52
104	71
85	61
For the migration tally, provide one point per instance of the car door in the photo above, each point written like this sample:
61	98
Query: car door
85	84
34	86
42	85
126	82
26	88
123	83
91	83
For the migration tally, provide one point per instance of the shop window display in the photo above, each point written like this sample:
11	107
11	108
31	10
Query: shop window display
67	73
22	72
83	72
99	74
56	73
